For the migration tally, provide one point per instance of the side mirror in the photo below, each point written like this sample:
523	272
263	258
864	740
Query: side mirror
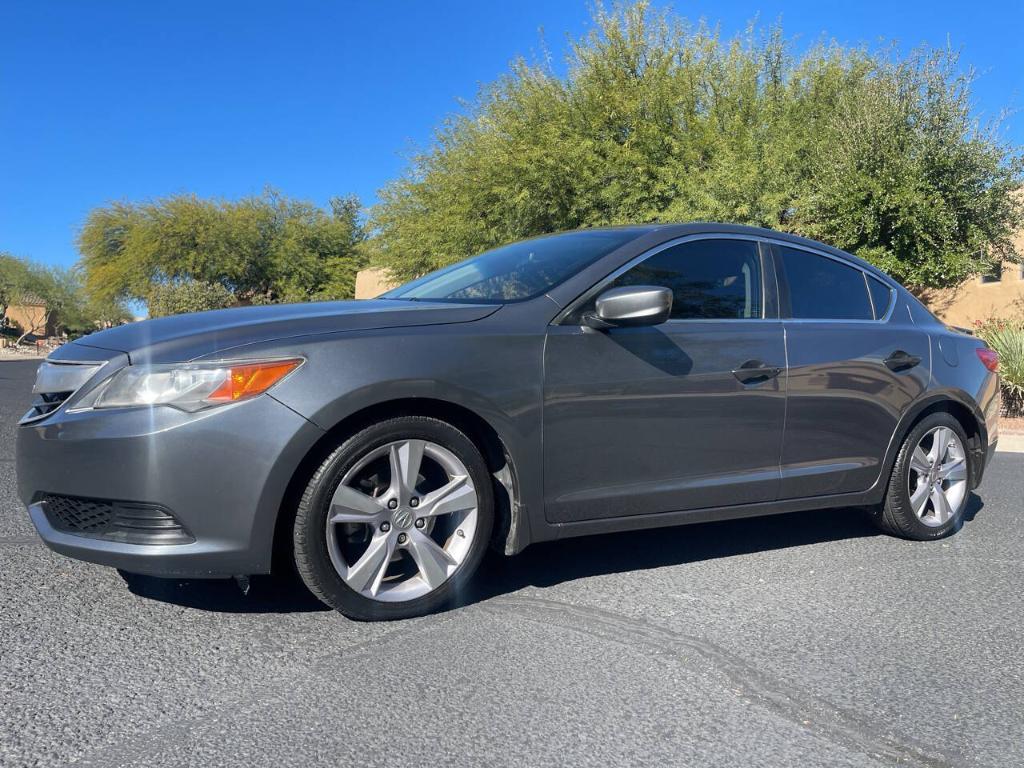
630	306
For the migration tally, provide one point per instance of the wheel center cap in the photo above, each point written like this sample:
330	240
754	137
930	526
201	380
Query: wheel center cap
402	518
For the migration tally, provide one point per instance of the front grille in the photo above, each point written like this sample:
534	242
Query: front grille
124	521
45	404
56	381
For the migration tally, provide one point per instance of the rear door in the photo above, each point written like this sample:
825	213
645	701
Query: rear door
854	368
675	416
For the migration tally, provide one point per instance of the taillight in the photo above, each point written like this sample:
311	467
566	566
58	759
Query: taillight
989	358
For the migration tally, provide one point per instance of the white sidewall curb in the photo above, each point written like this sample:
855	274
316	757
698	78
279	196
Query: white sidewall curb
1011	442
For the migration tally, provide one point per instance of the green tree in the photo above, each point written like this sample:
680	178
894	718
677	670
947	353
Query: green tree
78	313
661	120
98	314
906	178
61	296
65	299
14	276
263	249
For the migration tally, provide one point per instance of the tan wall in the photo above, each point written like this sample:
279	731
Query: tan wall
974	300
22	316
372	282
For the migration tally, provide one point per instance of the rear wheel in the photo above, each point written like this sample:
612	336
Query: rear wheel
395	521
930	481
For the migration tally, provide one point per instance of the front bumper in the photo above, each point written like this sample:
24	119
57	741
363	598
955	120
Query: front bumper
222	472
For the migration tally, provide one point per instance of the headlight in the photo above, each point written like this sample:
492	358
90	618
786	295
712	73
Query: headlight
188	386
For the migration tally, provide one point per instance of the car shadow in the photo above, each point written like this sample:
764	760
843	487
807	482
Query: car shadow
550	563
267	594
654	347
974	505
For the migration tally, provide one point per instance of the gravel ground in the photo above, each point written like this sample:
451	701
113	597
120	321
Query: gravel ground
802	639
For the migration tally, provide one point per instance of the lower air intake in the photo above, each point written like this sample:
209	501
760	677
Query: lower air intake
123	521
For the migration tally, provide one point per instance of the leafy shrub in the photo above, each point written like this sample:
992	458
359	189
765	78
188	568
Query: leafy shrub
1007	338
181	296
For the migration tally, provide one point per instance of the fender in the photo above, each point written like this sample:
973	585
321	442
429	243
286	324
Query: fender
430	396
911	416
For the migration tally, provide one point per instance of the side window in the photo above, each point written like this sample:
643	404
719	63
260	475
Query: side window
881	296
993	275
823	289
713	279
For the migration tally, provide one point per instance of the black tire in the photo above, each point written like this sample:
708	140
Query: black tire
312	558
895	516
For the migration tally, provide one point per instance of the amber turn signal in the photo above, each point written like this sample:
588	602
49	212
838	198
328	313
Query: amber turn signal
251	379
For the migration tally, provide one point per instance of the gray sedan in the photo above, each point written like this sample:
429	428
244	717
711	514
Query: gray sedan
587	382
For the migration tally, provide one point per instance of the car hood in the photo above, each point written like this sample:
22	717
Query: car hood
185	337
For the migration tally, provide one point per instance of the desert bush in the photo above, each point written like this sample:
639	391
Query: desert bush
1007	338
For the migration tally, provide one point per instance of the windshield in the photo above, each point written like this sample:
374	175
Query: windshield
517	271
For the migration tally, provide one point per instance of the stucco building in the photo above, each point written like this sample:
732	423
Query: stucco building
29	314
997	295
372	282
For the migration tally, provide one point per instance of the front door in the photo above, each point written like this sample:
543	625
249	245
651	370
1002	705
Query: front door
685	415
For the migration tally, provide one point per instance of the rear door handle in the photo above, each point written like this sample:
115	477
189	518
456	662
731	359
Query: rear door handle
756	372
901	361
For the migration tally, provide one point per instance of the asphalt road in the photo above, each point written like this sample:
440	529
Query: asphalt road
796	640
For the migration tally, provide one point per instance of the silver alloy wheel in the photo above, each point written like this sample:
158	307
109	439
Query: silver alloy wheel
417	525
938	477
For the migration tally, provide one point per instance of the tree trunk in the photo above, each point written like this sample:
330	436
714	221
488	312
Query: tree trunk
34	327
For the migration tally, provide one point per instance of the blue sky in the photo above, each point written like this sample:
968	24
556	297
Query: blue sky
106	100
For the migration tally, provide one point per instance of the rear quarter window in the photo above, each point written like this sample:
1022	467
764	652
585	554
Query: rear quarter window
881	296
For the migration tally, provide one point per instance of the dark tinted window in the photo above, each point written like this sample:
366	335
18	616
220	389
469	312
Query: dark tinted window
881	295
994	273
709	279
517	271
823	289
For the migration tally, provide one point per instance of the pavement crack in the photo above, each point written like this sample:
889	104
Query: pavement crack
17	541
807	710
141	749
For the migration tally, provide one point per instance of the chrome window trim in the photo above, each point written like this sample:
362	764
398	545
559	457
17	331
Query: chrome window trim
892	292
729	320
871	299
74	362
572	306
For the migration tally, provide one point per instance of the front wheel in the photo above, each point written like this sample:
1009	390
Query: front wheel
395	521
930	481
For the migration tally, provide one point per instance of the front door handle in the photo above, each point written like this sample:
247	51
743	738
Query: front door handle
901	361
756	372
